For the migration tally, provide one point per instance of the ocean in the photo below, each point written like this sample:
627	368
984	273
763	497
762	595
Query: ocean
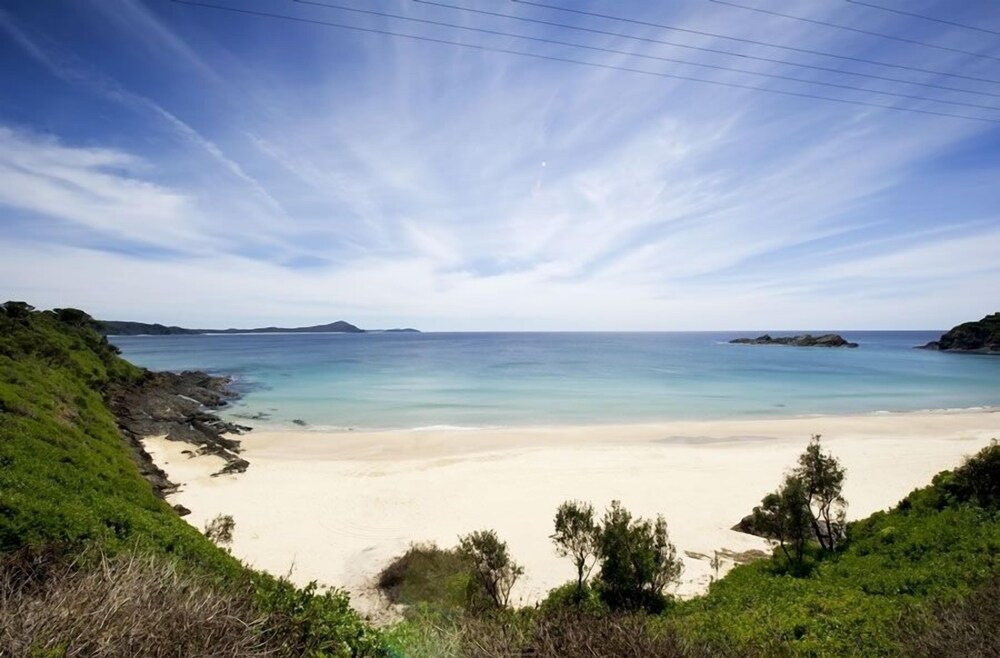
420	380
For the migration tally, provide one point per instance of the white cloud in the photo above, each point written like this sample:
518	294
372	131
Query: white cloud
415	172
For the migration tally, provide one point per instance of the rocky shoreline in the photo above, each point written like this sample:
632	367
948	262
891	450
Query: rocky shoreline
980	337
177	406
806	340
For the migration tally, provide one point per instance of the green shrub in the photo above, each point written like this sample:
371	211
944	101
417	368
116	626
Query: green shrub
637	561
427	574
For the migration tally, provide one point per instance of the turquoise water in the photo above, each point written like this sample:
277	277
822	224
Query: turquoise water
499	379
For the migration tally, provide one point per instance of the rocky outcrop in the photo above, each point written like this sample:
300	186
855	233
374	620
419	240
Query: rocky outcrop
982	337
806	340
177	406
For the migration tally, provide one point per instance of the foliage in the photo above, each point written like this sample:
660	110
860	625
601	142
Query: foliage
576	537
930	551
493	570
427	574
784	515
977	480
569	597
220	529
67	479
823	478
637	561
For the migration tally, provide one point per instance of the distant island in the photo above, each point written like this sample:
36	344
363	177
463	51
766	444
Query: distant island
806	340
981	337
122	328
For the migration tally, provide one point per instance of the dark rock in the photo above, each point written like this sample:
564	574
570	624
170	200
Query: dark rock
981	337
299	422
233	467
806	340
176	406
747	526
181	510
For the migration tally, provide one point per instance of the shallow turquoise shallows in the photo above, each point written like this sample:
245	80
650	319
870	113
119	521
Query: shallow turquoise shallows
402	380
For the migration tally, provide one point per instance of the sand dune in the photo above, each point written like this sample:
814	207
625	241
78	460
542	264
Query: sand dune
335	507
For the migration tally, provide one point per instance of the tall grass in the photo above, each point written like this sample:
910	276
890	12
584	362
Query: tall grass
131	604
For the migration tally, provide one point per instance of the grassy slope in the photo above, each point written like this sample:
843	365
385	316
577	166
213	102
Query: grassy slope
896	565
67	477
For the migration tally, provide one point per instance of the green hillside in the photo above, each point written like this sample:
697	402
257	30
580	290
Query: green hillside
68	485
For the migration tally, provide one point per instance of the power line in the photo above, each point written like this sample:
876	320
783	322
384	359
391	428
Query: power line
924	17
881	35
807	51
557	42
521	53
730	53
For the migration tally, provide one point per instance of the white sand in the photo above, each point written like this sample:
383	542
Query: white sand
336	507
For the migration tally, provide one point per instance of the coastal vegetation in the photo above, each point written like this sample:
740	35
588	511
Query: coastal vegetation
921	579
79	524
91	556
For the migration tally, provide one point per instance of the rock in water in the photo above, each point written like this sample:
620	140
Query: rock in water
805	340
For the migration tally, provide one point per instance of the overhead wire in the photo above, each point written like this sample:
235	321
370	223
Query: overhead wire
858	30
755	42
614	51
719	51
924	17
521	53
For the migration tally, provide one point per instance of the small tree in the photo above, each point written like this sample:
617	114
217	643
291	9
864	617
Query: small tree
576	537
220	529
823	477
492	567
784	515
637	560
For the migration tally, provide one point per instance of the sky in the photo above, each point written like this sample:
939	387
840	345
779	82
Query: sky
165	162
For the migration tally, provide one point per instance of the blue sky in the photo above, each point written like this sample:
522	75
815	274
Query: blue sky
163	162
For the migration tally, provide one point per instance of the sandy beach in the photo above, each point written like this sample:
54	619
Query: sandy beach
337	506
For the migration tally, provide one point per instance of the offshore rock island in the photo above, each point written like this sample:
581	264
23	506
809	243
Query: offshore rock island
805	340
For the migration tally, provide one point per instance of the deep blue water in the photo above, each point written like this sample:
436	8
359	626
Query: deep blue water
395	380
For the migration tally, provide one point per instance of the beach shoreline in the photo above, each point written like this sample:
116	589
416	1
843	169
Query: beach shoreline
336	507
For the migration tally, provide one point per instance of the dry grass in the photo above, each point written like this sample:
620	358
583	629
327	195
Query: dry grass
126	606
968	628
571	634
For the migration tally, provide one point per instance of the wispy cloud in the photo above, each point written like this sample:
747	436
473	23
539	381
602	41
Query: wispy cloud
400	182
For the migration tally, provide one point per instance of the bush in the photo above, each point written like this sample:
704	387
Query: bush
570	597
220	529
576	537
978	479
427	574
637	561
493	571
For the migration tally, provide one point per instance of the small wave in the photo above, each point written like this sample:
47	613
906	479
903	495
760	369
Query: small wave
446	428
